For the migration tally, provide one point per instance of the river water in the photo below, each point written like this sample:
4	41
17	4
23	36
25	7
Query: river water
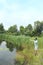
7	57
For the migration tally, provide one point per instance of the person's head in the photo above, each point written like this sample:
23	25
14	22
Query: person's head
35	38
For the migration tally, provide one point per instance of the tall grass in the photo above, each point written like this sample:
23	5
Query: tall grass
19	42
24	45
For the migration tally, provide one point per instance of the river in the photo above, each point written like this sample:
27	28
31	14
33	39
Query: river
6	56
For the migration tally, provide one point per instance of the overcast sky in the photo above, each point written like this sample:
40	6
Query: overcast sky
20	12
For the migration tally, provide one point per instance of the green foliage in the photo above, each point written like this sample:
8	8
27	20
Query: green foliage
28	30
1	28
22	30
38	28
18	41
41	25
13	29
29	27
42	34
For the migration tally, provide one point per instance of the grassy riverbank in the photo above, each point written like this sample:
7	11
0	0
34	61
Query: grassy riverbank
27	56
24	41
25	49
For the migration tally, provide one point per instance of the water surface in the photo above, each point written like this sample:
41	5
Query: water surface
6	56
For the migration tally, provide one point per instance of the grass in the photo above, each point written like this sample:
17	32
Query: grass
19	42
29	55
25	49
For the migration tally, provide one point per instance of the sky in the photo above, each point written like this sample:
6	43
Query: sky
20	12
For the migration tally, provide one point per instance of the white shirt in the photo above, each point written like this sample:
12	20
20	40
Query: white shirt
36	44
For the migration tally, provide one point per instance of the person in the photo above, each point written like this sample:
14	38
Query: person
36	46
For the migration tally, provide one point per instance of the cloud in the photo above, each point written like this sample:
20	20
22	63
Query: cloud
19	13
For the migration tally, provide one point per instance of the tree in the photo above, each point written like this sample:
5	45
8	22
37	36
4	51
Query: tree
41	25
36	24
13	29
29	27
22	29
1	28
28	30
37	27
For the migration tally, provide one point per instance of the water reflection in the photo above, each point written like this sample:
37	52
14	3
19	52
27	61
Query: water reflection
7	57
0	42
10	46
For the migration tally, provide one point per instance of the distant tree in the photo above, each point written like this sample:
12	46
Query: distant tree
28	30
1	28
18	33
36	23
29	27
13	29
41	25
38	27
22	29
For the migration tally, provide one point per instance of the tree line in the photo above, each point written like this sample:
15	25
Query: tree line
29	30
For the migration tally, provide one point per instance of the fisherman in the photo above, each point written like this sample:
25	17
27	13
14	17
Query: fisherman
36	46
